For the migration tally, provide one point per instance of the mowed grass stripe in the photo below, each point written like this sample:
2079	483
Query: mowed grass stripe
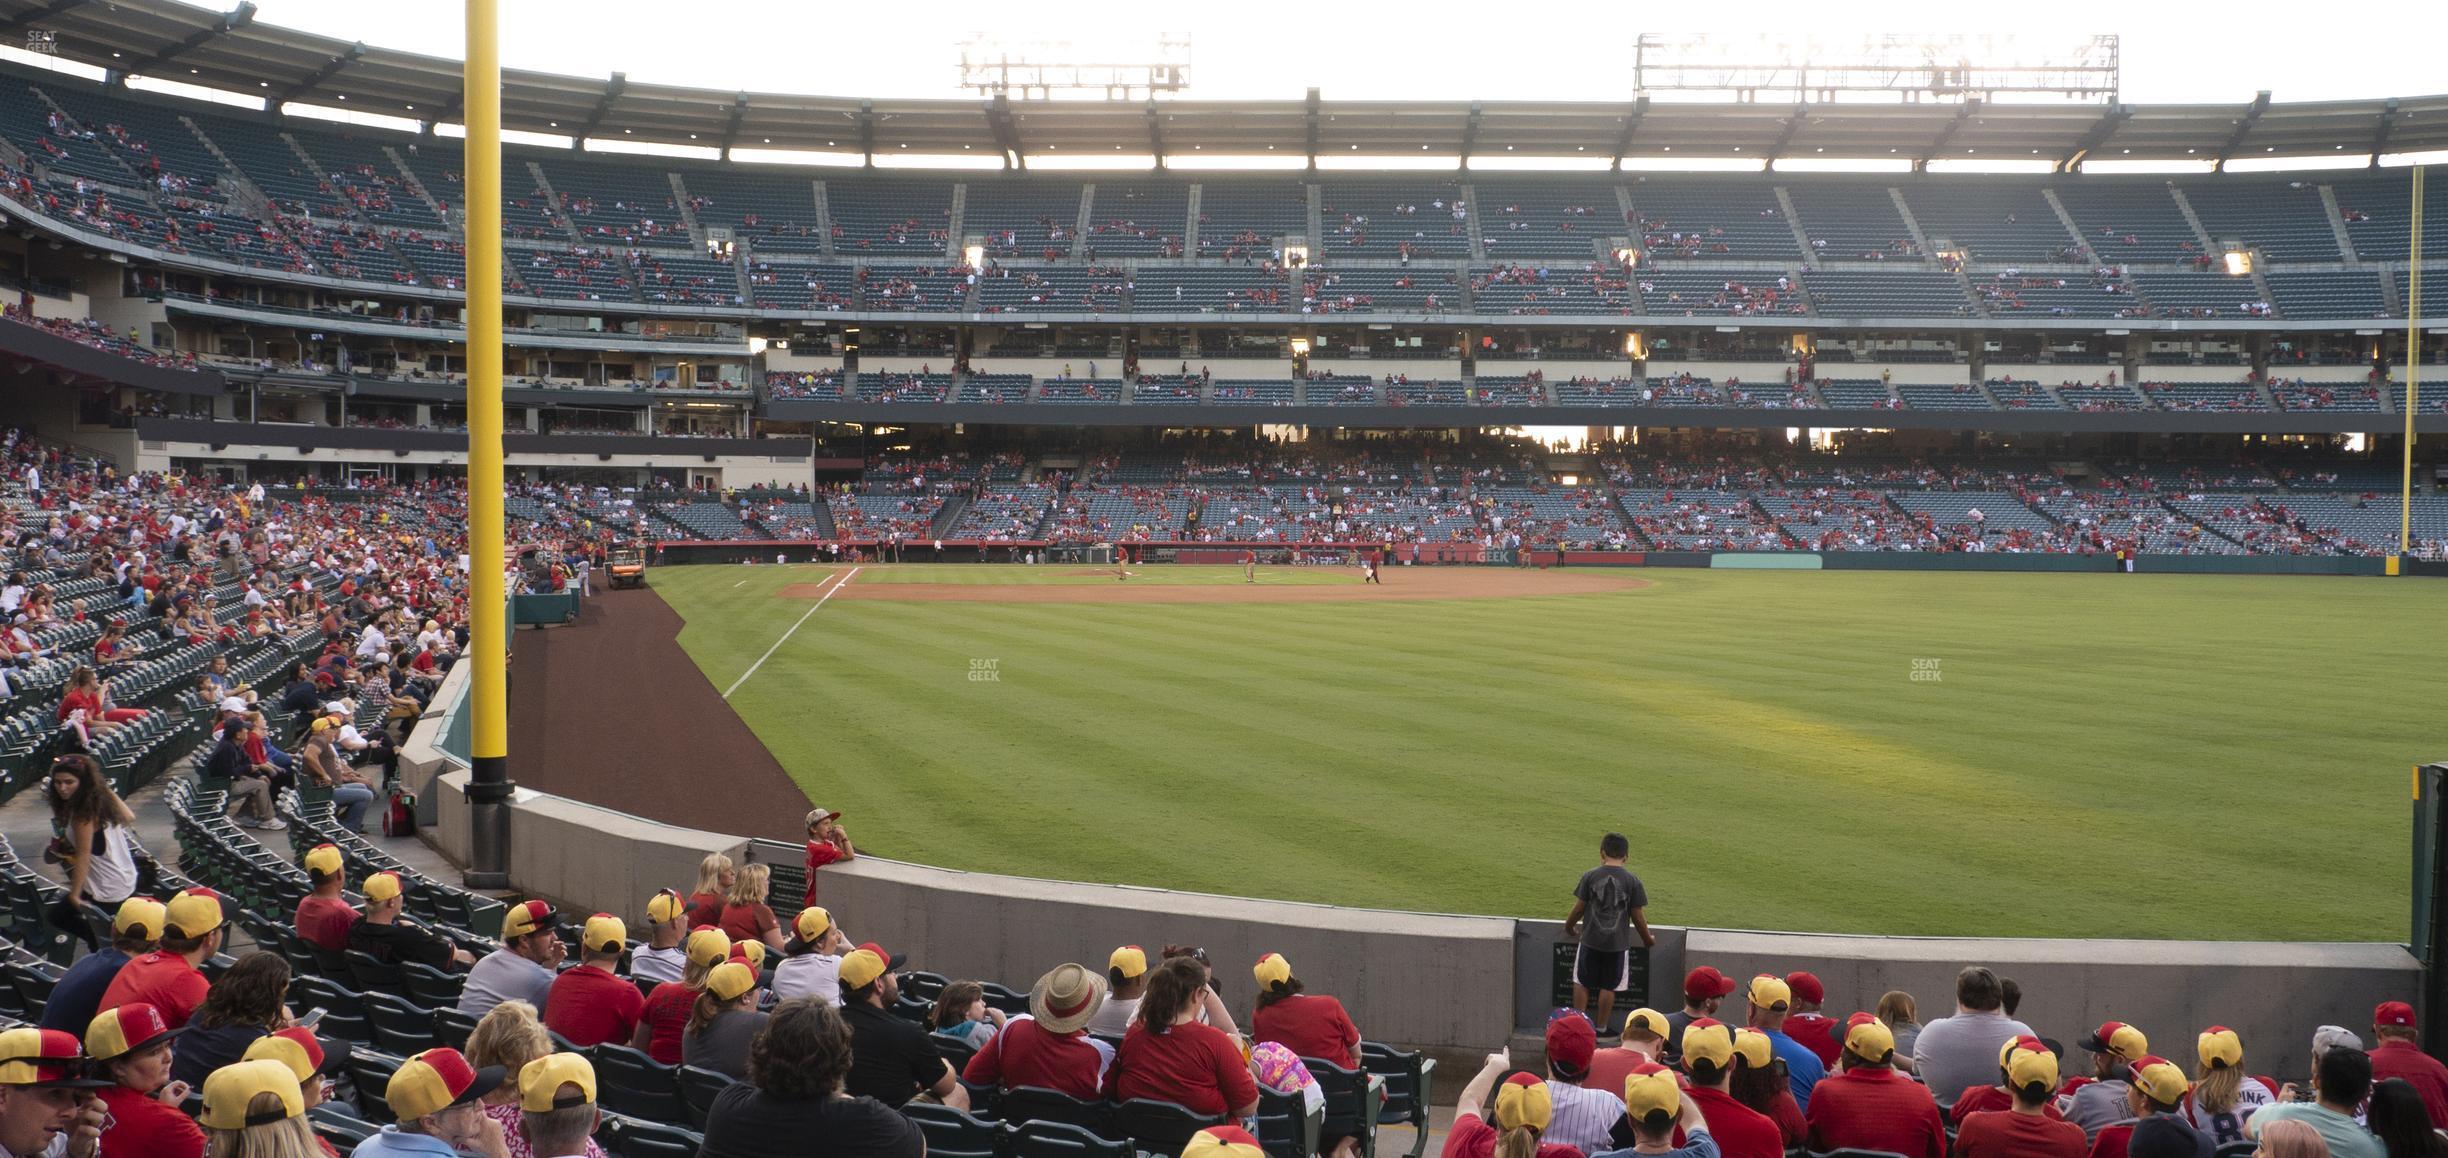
1756	733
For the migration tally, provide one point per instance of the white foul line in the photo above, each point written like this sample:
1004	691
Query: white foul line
794	629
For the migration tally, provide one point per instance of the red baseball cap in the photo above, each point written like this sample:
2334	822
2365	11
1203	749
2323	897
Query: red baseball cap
1806	987
2394	1013
1570	1042
1706	982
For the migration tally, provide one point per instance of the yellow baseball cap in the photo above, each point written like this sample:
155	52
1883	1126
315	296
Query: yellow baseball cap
2160	1080
1754	1047
192	913
230	1091
381	887
1868	1038
541	1080
1523	1100
812	923
753	952
729	980
2117	1038
1647	1022
306	1055
1272	968
1129	960
2220	1048
140	917
1646	1094
2028	1060
604	933
436	1080
321	724
1771	992
665	906
527	917
708	946
325	859
1708	1040
860	967
126	1029
1223	1142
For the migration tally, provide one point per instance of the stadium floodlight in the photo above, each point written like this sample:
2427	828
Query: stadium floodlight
2239	263
1118	70
1890	67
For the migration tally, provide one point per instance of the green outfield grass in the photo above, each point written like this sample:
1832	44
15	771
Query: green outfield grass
2099	755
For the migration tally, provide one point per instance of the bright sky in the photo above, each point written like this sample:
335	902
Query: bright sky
1276	49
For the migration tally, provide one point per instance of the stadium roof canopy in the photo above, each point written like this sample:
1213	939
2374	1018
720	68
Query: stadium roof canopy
166	40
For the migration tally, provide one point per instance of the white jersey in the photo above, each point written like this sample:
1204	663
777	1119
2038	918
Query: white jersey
2227	1127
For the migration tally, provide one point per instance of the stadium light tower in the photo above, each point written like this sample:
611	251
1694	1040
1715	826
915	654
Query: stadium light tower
1898	67
489	788
1038	69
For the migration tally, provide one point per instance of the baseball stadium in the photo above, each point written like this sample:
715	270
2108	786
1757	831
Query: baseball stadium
731	622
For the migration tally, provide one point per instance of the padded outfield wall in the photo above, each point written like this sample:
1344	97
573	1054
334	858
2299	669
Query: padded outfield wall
1425	980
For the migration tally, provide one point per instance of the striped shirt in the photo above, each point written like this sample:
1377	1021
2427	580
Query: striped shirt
1583	1118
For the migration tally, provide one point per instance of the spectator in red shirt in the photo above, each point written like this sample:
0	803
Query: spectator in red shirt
323	919
1170	1056
1515	1126
663	1023
1310	1025
2030	1128
168	978
1985	1099
745	915
1641	1046
1050	1048
1708	1061
134	1048
1815	1030
1867	1105
590	1003
1760	1083
2156	1088
715	876
828	842
2398	1054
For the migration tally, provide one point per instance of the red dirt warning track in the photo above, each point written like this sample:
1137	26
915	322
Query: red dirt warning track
611	711
1402	583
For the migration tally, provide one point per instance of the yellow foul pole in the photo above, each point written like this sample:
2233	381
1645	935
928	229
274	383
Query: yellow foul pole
489	785
2413	392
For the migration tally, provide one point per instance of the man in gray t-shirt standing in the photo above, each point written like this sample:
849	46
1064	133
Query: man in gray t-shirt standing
1608	905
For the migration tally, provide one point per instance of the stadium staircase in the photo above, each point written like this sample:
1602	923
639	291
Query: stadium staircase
451	215
688	217
2201	233
1793	221
956	230
1190	231
949	517
2337	223
1478	237
128	177
243	193
2072	230
554	208
1080	222
824	223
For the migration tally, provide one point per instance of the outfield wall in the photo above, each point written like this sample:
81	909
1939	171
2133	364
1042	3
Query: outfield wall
1422	979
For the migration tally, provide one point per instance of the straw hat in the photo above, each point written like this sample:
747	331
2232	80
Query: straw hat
1066	997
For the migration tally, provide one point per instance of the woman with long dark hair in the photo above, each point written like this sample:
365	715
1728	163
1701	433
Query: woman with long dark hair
1169	1056
94	845
245	1003
2401	1122
1312	1025
1759	1082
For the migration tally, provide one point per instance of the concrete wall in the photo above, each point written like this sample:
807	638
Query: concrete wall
2053	374
1428	980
